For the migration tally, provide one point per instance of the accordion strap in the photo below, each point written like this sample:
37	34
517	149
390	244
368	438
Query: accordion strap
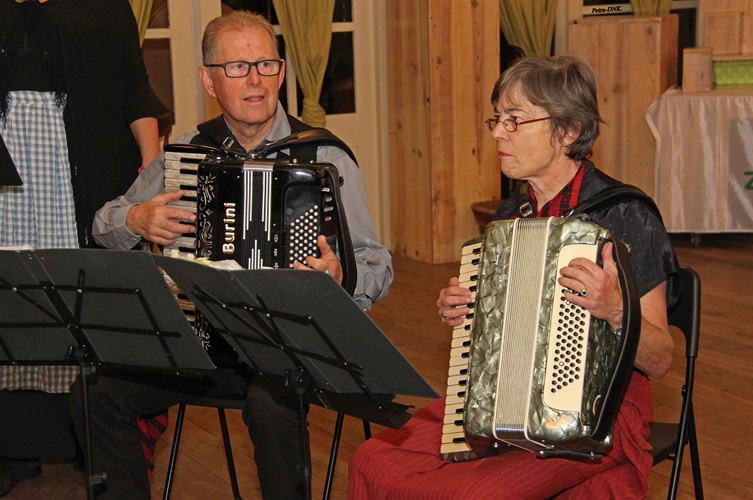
302	142
631	330
216	133
603	199
613	195
311	137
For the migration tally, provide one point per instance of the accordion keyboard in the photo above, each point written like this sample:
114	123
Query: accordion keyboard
180	174
454	446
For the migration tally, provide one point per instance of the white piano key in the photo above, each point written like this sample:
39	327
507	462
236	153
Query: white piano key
451	436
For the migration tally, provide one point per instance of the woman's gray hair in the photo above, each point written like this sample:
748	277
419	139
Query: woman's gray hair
565	87
238	20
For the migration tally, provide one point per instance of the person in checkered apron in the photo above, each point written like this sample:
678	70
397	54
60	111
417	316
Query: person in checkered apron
77	115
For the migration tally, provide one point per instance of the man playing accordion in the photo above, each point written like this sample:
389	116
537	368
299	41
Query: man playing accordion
243	71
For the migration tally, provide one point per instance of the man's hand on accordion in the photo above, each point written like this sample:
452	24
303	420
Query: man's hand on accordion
158	222
327	263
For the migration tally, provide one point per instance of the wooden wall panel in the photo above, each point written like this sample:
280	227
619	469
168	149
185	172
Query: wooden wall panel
445	85
723	32
713	15
635	60
444	62
409	124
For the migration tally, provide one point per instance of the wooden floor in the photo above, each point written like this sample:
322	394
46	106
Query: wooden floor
723	396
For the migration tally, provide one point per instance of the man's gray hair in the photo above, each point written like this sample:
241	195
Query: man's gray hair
238	20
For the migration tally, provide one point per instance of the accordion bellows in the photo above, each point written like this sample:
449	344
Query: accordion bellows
540	368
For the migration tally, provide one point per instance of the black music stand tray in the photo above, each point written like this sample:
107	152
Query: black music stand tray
93	307
305	328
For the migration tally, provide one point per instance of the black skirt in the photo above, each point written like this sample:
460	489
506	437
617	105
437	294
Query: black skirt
35	424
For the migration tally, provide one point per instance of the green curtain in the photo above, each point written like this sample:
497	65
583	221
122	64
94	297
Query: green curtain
650	7
529	24
307	30
142	9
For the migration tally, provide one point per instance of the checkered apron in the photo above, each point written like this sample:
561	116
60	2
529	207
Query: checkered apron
39	213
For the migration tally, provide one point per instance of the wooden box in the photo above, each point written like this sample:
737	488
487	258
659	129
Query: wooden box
635	60
697	69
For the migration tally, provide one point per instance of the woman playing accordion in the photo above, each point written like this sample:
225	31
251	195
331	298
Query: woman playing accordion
545	122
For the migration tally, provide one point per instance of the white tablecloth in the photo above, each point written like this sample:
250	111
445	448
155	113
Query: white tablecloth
704	160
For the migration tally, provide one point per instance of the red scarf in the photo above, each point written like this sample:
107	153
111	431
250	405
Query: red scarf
565	200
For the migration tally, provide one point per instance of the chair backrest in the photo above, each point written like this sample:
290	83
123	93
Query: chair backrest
686	313
668	440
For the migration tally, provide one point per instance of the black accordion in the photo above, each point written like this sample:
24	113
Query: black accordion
261	213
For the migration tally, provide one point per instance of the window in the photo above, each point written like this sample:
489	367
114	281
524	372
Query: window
156	53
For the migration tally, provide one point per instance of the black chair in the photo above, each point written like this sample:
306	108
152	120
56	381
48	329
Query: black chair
221	405
669	439
237	404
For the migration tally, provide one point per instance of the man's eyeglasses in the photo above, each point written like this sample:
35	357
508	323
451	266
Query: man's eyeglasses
510	124
240	69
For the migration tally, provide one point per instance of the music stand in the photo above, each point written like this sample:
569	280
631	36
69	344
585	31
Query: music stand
304	327
8	173
90	307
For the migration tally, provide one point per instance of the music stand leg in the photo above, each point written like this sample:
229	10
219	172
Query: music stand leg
300	390
333	455
92	479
